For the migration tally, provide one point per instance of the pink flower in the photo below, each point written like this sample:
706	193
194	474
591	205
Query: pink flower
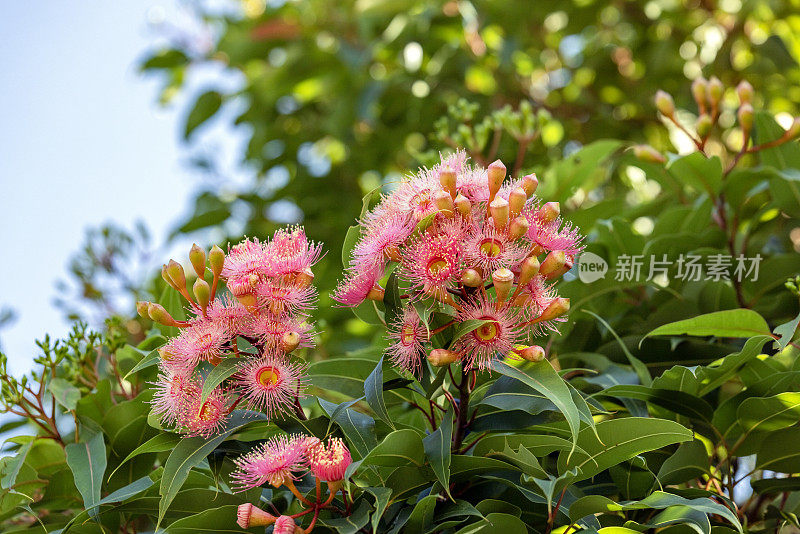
290	251
227	311
381	241
202	341
285	525
249	257
172	391
408	335
433	263
271	382
273	462
356	285
270	329
285	297
495	338
414	196
489	249
205	418
552	236
535	296
329	463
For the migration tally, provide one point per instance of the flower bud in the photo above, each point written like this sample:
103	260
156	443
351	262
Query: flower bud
518	227
534	353
463	205
516	201
376	293
304	278
745	92
529	184
290	341
527	270
175	272
699	89
286	525
141	309
794	129
393	253
443	357
471	278
197	256
549	212
496	174
502	279
568	263
447	177
703	125
499	210
444	202
745	116
252	516
558	307
159	314
166	277
648	154
553	263
664	103
216	258
715	90
202	292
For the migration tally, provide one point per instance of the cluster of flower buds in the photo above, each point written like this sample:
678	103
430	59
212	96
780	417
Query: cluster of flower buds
279	462
269	294
708	95
469	245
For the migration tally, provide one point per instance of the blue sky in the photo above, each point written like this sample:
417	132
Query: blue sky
82	142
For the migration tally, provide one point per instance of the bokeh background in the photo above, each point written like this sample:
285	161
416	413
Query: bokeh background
130	130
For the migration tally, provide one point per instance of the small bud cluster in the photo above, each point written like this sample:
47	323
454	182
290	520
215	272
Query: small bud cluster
471	245
269	294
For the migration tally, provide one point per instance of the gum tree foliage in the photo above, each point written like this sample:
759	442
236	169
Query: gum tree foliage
687	392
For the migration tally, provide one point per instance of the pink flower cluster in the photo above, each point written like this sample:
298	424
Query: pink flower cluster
278	460
269	295
469	244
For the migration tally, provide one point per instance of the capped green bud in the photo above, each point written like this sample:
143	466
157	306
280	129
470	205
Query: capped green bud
471	278
553	263
290	341
703	125
745	116
558	307
216	258
499	210
528	269
530	183
699	90
664	103
496	174
715	90
376	294
141	309
159	314
166	277
502	279
305	277
198	258
550	211
534	353
518	227
516	201
648	154
444	202
175	272
202	292
443	357
447	177
745	92
463	205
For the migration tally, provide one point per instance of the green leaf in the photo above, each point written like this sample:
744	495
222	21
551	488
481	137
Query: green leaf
786	332
65	393
350	240
399	448
494	523
165	59
543	378
150	360
206	105
437	449
620	440
220	520
353	522
359	429
373	391
87	461
637	364
688	462
382	497
421	517
726	323
159	443
780	452
392	302
675	401
171	301
224	370
769	413
776	485
15	464
698	171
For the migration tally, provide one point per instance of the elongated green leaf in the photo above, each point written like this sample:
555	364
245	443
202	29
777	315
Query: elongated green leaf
781	452
399	448
226	368
636	363
726	323
543	378
776	485
373	391
15	464
437	449
421	518
88	464
382	496
786	332
496	523
220	520
676	401
150	360
358	428
392	302
159	443
65	393
688	462
204	108
620	440
769	413
700	172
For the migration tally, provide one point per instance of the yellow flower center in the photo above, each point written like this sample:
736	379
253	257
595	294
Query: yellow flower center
491	247
488	331
407	335
436	266
268	377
